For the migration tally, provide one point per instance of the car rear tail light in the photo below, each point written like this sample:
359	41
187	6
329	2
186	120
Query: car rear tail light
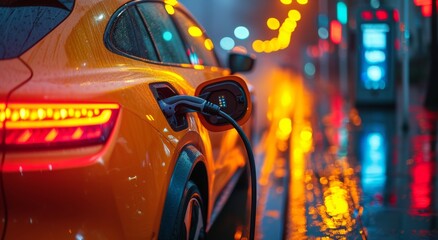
56	125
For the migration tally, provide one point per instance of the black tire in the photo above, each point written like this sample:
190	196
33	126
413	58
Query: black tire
191	218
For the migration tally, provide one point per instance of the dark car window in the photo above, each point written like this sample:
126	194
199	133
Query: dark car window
24	23
130	36
164	33
200	47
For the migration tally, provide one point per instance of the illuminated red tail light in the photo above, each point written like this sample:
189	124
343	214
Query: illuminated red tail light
56	125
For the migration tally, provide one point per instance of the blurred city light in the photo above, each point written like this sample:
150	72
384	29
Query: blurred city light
335	32
286	2
342	12
171	2
241	32
208	44
323	33
285	30
273	23
167	36
227	43
195	31
309	69
169	9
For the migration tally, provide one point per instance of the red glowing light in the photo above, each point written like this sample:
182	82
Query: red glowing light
367	15
313	51
396	15
397	44
382	15
426	10
335	31
51	124
422	2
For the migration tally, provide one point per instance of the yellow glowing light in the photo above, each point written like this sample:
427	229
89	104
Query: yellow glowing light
257	45
15	116
306	134
77	113
285	125
302	2
8	113
267	46
169	9
294	15
208	44
336	203
33	115
48	113
42	114
273	23
286	99
56	115
71	112
24	113
194	31
289	25
286	2
276	44
64	113
198	66
323	180
171	2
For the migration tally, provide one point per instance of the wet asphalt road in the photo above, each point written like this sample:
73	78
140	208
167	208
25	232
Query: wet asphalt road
328	170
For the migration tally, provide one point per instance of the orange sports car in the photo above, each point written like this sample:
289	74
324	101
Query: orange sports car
86	151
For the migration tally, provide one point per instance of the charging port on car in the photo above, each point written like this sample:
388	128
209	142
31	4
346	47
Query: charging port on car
162	91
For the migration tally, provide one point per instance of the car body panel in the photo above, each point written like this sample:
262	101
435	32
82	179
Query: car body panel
129	174
13	72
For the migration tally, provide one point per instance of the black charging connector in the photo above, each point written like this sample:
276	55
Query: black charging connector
181	104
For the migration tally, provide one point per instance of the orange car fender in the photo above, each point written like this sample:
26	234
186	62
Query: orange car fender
189	165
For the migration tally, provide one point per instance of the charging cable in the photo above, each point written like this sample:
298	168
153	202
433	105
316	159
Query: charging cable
181	104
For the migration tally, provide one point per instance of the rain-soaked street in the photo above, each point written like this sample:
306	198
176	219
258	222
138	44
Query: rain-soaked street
346	173
330	170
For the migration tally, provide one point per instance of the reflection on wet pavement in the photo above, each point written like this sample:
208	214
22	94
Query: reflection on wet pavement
353	173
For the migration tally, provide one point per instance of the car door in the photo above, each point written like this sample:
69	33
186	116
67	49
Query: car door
227	147
183	45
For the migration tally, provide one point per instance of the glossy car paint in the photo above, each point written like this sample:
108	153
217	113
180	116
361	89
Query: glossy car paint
114	190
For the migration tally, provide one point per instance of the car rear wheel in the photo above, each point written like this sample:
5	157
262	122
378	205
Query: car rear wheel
192	219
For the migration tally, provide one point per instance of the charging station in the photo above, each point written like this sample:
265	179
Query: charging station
375	82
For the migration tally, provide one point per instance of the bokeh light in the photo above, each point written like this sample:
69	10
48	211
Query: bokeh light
227	43
323	33
167	36
169	9
195	31
309	69
294	15
208	44
241	32
273	23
